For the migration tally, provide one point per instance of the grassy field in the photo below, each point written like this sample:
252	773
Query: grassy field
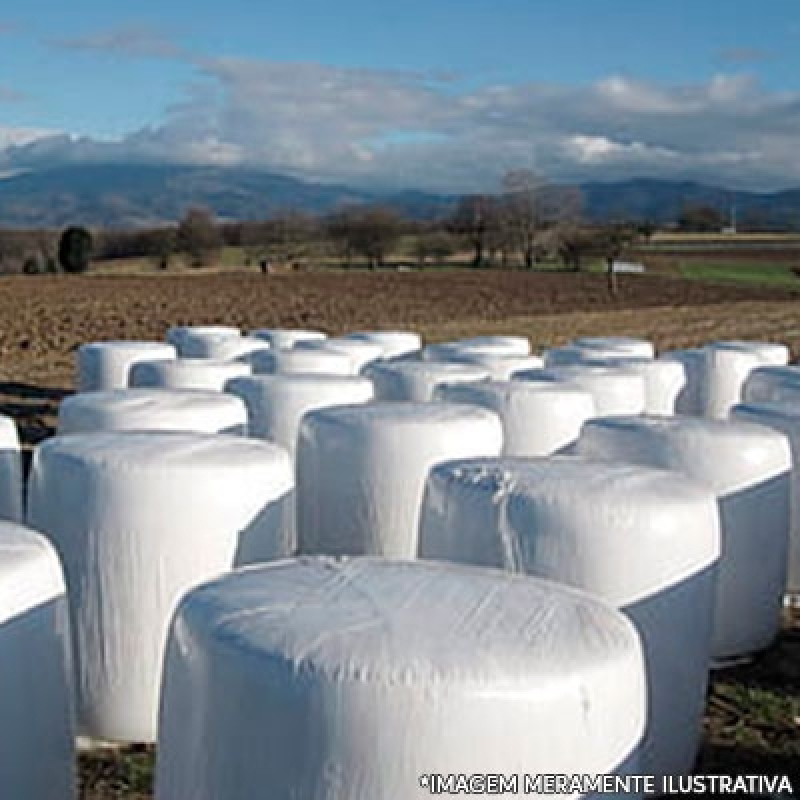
748	274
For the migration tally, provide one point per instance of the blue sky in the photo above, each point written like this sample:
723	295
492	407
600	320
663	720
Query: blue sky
436	94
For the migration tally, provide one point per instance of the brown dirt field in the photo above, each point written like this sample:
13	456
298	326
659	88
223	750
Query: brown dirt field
753	725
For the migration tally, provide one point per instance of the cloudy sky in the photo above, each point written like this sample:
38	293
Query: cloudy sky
434	94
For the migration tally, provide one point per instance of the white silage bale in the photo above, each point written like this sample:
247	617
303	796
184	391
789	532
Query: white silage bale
689	401
151	410
624	345
769	353
749	468
138	519
614	392
479	345
187	373
37	750
416	381
645	540
772	384
276	404
299	361
539	418
287	338
188	338
10	471
361	471
499	367
227	348
726	370
664	380
107	365
360	353
327	679
787	421
395	344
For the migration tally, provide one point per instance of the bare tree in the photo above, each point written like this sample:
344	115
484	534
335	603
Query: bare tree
473	219
523	211
198	236
370	231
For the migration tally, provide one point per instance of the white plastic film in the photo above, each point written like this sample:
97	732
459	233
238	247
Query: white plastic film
485	345
324	679
187	373
153	410
138	519
187	338
749	468
360	352
769	353
624	345
300	361
361	471
539	418
286	338
772	384
36	721
394	344
10	471
416	381
499	367
645	540
224	347
107	365
689	401
726	370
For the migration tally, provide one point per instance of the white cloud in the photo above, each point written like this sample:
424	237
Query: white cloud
138	41
372	127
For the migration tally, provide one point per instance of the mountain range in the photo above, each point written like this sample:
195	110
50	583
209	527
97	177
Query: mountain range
132	195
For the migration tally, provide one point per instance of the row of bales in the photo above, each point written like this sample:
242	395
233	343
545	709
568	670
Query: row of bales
322	567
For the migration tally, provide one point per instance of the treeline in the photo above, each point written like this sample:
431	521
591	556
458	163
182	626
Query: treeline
526	223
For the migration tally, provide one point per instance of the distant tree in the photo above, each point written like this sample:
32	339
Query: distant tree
369	231
523	211
198	236
75	249
700	219
473	219
433	244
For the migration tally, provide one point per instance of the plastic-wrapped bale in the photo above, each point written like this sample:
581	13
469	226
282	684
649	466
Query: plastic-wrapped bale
360	352
539	418
361	471
664	380
499	367
138	519
187	339
352	678
749	468
416	381
645	540
302	362
726	370
107	365
395	344
287	338
187	373
37	748
479	345
773	384
224	347
615	393
689	401
787	421
153	410
10	471
769	353
277	403
624	345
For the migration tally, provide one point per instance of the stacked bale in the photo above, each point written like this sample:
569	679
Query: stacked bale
773	385
509	346
107	365
417	381
151	410
302	361
361	471
224	347
188	340
10	471
645	540
37	747
336	679
286	338
187	373
360	352
139	518
394	344
748	467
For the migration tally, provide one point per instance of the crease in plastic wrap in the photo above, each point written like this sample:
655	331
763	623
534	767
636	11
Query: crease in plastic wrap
726	371
153	409
332	679
644	540
360	351
539	418
187	373
286	338
748	467
225	347
509	346
36	711
107	365
786	420
302	361
773	384
137	519
188	338
276	404
499	367
394	344
615	393
583	351
361	471
416	381
11	480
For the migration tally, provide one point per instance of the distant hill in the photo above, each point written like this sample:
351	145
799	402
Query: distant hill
127	196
